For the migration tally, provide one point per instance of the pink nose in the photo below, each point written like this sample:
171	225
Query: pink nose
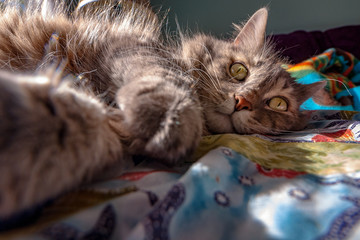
242	104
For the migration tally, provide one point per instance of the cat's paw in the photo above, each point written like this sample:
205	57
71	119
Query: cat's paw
17	124
162	120
52	138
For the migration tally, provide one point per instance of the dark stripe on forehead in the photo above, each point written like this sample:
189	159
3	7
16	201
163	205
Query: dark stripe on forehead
266	82
259	64
273	76
286	84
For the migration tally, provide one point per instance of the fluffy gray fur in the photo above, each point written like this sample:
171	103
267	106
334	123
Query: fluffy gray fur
119	90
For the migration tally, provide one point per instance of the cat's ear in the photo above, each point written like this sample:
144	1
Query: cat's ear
252	35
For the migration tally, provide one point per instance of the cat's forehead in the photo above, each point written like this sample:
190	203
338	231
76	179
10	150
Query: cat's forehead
280	83
267	80
222	50
235	53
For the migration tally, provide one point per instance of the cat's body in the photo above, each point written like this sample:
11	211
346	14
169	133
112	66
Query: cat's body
123	92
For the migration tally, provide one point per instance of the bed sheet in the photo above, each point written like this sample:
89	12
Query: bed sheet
293	186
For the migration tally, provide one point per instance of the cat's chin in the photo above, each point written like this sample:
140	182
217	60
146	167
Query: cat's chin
219	122
242	124
237	122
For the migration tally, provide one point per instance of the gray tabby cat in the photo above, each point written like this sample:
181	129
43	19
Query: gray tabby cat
119	90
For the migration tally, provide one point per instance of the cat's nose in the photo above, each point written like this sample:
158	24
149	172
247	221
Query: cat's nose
242	104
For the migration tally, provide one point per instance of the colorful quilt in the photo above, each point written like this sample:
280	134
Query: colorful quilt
303	185
341	71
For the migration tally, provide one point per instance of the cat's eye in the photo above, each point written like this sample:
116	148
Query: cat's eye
278	104
238	71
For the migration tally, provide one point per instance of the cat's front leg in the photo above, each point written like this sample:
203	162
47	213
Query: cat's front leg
163	119
52	138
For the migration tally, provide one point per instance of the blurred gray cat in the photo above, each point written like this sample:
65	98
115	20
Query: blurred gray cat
122	91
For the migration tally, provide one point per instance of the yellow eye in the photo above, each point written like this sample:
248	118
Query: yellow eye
238	71
278	103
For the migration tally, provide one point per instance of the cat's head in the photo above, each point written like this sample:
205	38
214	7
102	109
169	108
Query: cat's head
241	84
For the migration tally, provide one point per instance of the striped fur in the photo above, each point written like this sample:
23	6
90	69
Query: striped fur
88	89
209	59
115	94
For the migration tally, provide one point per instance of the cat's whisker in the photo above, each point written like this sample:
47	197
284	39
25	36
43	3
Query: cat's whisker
215	83
206	84
160	94
211	61
7	65
336	80
205	97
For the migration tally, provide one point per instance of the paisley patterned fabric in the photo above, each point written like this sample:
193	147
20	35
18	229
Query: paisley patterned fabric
303	185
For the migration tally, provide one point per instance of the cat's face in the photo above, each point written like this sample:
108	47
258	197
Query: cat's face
241	84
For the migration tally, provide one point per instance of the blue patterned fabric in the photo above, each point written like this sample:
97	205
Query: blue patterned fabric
222	196
226	194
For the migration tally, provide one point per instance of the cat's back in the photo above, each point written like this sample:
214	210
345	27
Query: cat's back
47	29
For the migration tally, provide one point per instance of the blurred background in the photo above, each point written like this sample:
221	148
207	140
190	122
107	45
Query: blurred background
216	17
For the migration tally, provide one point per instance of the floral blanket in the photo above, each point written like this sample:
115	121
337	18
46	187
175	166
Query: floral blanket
301	185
